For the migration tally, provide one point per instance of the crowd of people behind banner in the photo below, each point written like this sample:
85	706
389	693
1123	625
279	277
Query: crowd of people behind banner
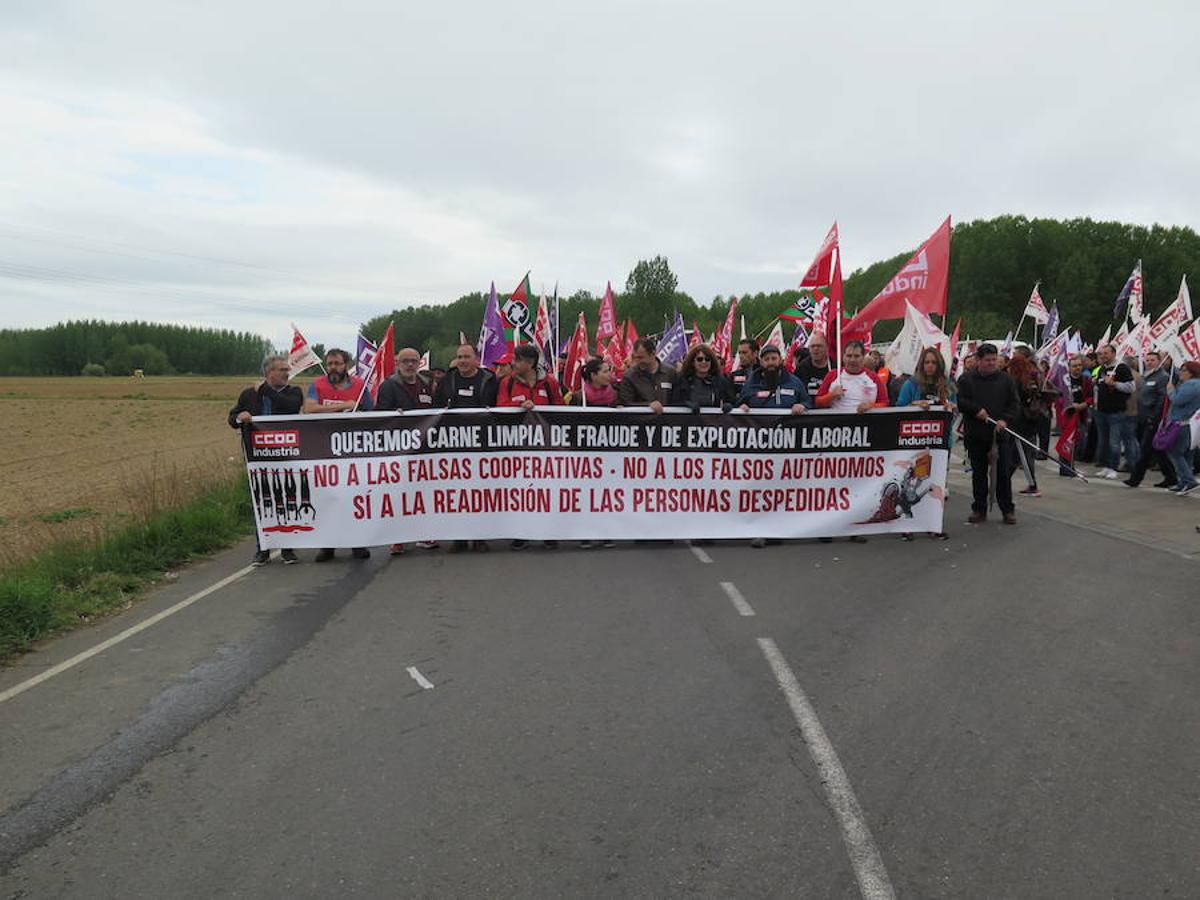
1126	416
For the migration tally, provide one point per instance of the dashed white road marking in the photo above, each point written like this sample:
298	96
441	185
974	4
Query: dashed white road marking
873	881
735	597
419	678
699	553
117	638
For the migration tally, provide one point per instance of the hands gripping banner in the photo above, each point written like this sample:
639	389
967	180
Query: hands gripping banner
556	473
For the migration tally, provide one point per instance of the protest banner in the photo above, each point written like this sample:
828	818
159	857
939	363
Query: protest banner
558	473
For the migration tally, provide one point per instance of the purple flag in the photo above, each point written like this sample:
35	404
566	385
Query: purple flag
673	346
364	355
491	344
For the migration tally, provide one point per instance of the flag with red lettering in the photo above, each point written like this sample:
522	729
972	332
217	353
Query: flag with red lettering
1035	307
577	356
722	340
631	336
301	356
1065	445
922	282
1178	314
541	333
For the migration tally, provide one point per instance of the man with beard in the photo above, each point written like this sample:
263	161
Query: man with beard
812	371
747	352
989	393
274	397
773	386
338	391
1075	406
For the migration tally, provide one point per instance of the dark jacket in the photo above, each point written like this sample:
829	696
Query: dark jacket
457	392
264	400
1152	395
640	388
395	394
739	377
997	393
787	392
1112	399
716	390
811	374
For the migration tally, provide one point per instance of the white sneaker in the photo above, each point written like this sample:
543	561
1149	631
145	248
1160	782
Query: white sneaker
1111	474
1102	472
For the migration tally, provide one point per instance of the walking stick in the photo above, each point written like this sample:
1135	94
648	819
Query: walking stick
1036	449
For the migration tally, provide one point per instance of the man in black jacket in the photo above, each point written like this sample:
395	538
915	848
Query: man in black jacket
466	386
987	393
1151	396
407	389
274	397
649	382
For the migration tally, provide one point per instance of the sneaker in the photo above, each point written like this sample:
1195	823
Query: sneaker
1010	518
977	518
758	542
906	536
1030	492
360	553
1166	483
396	550
1111	475
939	535
427	545
1187	490
1103	471
1174	489
585	545
1129	483
323	555
261	558
289	557
519	544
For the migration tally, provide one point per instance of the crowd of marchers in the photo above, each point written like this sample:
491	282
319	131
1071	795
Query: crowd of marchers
1125	416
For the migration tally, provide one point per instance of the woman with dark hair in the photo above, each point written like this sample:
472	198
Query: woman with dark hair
701	383
1036	397
1185	402
597	388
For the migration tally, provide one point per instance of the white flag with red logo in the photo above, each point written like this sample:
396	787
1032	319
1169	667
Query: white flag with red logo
424	364
301	356
775	338
1178	314
1036	308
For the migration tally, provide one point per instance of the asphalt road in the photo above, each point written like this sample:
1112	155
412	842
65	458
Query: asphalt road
1015	710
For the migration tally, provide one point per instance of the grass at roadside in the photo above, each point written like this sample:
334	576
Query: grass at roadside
71	584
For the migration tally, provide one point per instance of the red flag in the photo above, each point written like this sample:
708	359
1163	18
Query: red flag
577	355
1065	446
384	366
723	339
922	281
631	336
833	309
695	340
818	273
608	316
615	355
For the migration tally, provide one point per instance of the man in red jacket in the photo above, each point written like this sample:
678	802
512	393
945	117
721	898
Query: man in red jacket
523	387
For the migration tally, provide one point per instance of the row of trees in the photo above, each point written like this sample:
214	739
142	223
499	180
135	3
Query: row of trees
118	348
994	264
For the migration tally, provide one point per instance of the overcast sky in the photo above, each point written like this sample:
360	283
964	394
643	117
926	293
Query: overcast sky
247	164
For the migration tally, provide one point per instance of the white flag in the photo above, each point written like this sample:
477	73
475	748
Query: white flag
1036	309
301	356
918	333
424	364
775	338
1179	313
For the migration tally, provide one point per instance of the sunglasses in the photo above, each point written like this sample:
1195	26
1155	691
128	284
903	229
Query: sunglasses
701	359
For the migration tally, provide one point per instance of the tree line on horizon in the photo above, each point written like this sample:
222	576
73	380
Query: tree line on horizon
1081	263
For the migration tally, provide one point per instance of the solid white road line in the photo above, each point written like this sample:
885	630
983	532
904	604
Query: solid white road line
699	553
116	639
873	881
735	597
420	679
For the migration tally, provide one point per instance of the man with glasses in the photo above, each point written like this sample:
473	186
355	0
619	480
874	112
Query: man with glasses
405	390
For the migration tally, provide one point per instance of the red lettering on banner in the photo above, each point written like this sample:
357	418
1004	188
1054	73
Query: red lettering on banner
635	467
326	476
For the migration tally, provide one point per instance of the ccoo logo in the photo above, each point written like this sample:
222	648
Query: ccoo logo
922	428
273	439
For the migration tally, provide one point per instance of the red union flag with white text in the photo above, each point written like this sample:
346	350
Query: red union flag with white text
922	282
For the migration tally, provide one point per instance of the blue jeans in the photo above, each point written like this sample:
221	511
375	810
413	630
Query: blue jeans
1129	442
1112	430
1180	456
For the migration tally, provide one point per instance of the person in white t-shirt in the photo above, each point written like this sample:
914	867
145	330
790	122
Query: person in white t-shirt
852	388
